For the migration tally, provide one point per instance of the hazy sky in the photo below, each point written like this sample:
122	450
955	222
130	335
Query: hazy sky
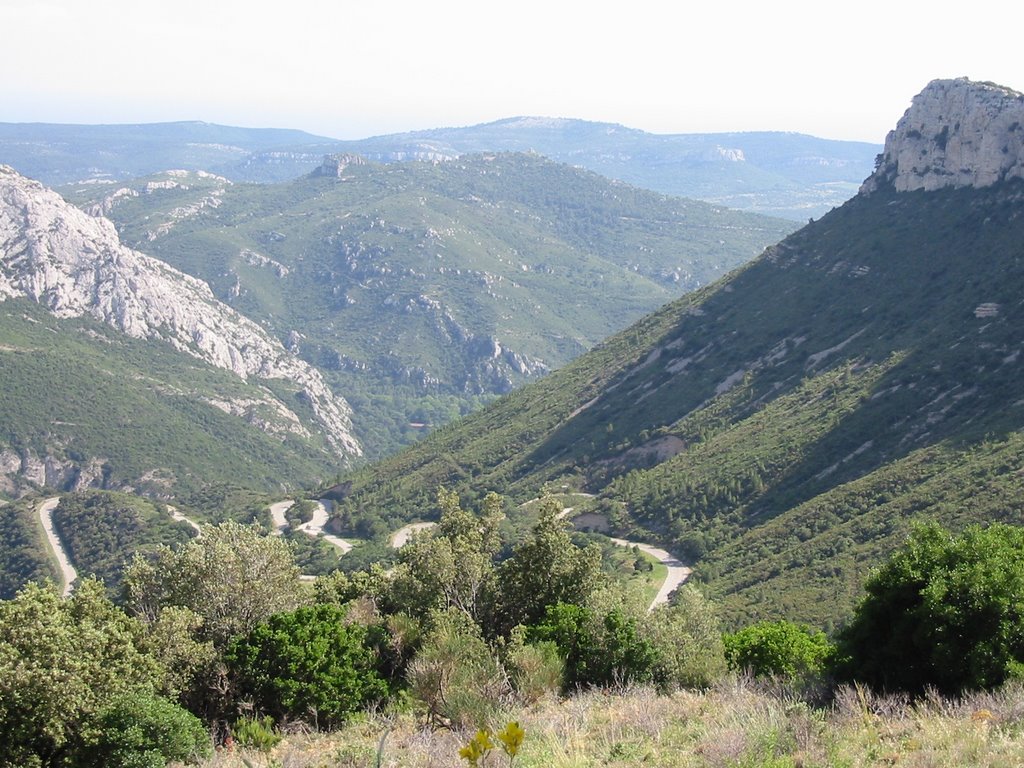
352	69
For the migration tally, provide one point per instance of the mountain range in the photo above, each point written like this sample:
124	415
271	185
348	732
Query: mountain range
780	174
783	428
421	290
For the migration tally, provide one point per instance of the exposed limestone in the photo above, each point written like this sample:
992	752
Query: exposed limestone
335	165
74	264
957	133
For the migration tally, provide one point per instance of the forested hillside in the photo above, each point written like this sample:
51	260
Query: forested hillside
872	350
421	289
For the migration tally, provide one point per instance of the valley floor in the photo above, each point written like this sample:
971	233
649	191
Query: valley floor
734	724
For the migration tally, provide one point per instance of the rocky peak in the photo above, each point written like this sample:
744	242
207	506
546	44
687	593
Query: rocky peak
956	133
75	264
335	165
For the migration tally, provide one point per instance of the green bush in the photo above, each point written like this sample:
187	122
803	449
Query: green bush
945	612
306	664
145	731
779	648
256	733
598	650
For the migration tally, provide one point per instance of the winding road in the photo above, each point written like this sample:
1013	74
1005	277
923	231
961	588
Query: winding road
401	537
277	514
677	571
68	573
315	527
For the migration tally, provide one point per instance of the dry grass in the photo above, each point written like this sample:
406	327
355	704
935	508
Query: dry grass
737	724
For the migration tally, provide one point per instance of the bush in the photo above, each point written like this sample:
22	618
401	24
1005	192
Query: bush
308	663
598	650
256	733
536	669
945	612
455	675
688	641
780	649
146	732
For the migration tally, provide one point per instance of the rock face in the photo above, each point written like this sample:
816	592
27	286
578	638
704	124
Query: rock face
957	133
335	165
74	264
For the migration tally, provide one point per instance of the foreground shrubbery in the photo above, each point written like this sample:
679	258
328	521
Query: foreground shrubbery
220	644
735	724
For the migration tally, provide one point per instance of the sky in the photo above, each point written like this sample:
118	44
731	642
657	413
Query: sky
349	70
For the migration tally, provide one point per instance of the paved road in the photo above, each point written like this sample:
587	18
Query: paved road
277	514
315	527
677	572
401	537
176	515
68	573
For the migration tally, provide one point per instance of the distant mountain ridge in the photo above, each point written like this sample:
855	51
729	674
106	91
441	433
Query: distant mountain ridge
779	174
783	174
783	428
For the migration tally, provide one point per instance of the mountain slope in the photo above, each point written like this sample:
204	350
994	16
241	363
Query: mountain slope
783	427
123	333
421	289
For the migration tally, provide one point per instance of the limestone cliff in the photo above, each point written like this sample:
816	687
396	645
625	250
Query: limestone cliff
74	264
956	133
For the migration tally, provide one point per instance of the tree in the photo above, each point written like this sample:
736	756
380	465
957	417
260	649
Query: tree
945	611
545	569
62	662
688	640
453	567
779	648
309	663
233	576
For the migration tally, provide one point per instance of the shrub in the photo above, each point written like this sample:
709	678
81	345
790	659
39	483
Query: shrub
455	674
779	648
146	732
688	641
256	733
307	663
598	650
536	669
945	612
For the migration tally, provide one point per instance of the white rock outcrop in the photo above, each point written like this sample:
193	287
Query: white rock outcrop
957	133
74	264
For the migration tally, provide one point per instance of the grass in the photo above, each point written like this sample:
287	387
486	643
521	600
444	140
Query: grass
736	723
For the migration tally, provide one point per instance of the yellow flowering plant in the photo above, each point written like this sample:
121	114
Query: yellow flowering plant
510	737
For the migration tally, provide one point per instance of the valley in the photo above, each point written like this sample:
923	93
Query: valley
381	463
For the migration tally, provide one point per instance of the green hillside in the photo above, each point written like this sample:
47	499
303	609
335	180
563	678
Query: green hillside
101	531
422	290
74	390
782	428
